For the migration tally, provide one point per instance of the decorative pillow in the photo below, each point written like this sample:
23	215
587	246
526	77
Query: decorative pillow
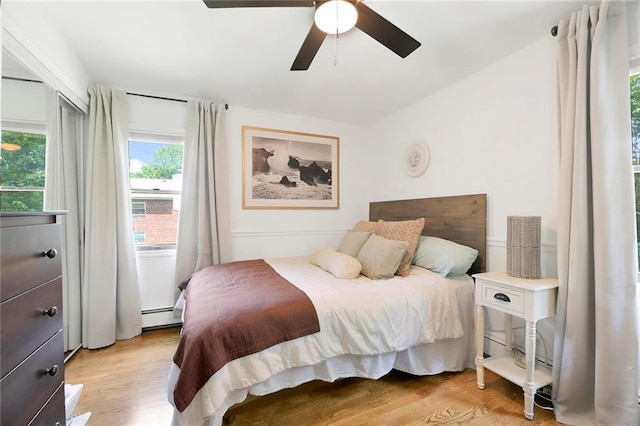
380	257
363	225
353	242
339	264
404	230
444	257
314	259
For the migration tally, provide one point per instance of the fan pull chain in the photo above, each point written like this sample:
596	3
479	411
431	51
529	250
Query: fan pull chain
335	45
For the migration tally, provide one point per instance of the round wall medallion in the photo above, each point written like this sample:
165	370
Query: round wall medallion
416	160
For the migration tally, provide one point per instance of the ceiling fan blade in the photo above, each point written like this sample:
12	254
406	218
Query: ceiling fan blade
385	32
223	4
309	48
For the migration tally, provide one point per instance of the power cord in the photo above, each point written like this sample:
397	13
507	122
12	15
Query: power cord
543	400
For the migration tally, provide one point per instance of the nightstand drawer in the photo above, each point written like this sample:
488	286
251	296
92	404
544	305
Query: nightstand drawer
503	299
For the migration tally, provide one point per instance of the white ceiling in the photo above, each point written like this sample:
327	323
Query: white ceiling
242	56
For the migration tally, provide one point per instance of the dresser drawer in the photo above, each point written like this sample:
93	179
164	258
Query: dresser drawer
25	326
26	389
53	413
22	259
505	299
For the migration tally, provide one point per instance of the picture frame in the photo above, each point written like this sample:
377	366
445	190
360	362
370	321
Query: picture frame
282	169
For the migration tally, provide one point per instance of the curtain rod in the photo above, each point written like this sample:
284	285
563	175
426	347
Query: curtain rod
226	106
157	97
554	30
21	79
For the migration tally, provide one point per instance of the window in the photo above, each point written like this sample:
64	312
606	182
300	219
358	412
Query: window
634	83
155	168
138	209
139	237
22	170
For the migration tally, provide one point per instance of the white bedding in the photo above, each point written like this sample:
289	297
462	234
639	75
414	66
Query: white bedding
367	328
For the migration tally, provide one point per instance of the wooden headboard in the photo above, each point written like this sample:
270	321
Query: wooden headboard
461	218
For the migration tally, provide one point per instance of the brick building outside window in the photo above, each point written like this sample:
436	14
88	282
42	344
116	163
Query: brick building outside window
155	215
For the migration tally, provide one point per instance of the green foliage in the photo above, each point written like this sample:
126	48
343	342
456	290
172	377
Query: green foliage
167	161
23	168
634	85
21	201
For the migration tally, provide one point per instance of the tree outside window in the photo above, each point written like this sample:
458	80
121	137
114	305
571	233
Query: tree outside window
22	171
156	179
634	83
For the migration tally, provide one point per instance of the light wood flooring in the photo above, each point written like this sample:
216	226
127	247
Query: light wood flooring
125	384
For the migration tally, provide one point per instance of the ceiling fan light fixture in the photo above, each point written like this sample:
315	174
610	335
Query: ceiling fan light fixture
336	16
10	146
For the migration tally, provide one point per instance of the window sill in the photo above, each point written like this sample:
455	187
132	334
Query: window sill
163	252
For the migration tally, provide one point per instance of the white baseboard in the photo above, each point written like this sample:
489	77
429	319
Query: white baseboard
494	344
159	318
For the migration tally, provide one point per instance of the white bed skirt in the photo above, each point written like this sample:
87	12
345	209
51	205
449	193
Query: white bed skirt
427	359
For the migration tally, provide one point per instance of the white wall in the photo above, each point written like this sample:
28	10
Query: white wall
260	233
493	132
24	103
30	36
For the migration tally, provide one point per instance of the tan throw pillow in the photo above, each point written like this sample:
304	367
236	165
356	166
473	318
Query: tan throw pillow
353	241
404	230
380	257
363	225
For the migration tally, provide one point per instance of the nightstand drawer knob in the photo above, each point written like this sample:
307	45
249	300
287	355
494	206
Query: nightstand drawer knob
501	296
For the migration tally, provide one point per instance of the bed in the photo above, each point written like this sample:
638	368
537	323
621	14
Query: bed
365	328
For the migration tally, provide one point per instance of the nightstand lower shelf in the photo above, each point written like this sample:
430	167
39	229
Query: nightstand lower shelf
505	366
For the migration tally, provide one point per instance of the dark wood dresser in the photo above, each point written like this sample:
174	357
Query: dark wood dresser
32	347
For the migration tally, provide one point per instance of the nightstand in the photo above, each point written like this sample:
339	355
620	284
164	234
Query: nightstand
531	300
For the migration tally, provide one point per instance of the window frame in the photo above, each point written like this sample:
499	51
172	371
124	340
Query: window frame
146	194
32	127
133	209
135	237
636	171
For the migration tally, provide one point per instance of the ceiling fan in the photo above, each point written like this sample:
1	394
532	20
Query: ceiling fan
355	12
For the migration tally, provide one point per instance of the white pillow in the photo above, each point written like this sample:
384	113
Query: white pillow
318	253
339	264
444	257
381	257
353	241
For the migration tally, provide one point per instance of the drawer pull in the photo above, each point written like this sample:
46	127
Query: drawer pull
501	296
52	311
51	253
52	371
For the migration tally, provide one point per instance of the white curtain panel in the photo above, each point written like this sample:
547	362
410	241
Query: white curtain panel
596	343
63	189
197	245
110	296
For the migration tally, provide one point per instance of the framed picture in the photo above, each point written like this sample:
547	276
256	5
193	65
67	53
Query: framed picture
289	170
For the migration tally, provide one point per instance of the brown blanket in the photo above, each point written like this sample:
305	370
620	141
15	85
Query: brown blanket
232	310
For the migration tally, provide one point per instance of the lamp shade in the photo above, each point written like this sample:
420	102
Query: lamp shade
336	16
523	246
